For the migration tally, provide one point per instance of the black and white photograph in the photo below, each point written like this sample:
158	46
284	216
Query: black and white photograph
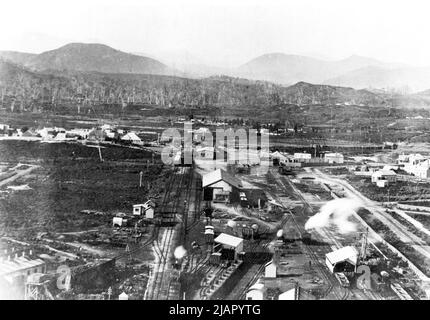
214	154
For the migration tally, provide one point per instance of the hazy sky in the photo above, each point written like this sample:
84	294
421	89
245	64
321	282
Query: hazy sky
225	32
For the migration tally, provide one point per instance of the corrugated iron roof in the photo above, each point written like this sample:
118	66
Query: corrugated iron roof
348	253
229	240
18	264
218	175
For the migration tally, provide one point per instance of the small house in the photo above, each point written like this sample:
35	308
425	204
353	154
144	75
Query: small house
145	209
302	157
291	294
256	292
334	157
389	176
231	245
119	221
123	296
270	270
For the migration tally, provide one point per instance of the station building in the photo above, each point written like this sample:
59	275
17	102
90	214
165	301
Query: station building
220	186
342	260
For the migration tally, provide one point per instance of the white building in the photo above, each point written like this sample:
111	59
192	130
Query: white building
230	243
289	294
271	270
334	157
302	157
47	133
123	296
132	138
146	209
421	170
83	133
410	158
256	292
119	221
415	164
20	267
344	259
383	177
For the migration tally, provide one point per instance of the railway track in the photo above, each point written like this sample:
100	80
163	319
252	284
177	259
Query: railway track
332	283
197	204
162	284
253	280
162	249
204	291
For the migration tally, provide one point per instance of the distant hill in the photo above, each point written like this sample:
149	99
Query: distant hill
303	93
16	57
425	93
407	77
288	69
90	57
16	76
186	63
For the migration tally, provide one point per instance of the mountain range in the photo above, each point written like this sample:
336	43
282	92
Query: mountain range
355	72
88	57
29	88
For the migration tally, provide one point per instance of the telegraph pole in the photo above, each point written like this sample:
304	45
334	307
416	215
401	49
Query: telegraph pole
140	179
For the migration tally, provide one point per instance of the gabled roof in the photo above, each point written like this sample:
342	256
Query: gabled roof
148	204
277	154
218	175
257	286
229	240
384	173
288	295
343	254
18	264
131	136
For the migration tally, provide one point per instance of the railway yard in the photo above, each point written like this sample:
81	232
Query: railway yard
124	225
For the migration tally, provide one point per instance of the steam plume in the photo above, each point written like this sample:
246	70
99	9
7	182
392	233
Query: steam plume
179	252
335	212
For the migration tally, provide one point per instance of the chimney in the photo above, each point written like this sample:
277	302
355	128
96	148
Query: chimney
30	253
275	258
23	253
16	255
8	258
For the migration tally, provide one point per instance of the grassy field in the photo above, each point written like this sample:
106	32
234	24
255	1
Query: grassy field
71	178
